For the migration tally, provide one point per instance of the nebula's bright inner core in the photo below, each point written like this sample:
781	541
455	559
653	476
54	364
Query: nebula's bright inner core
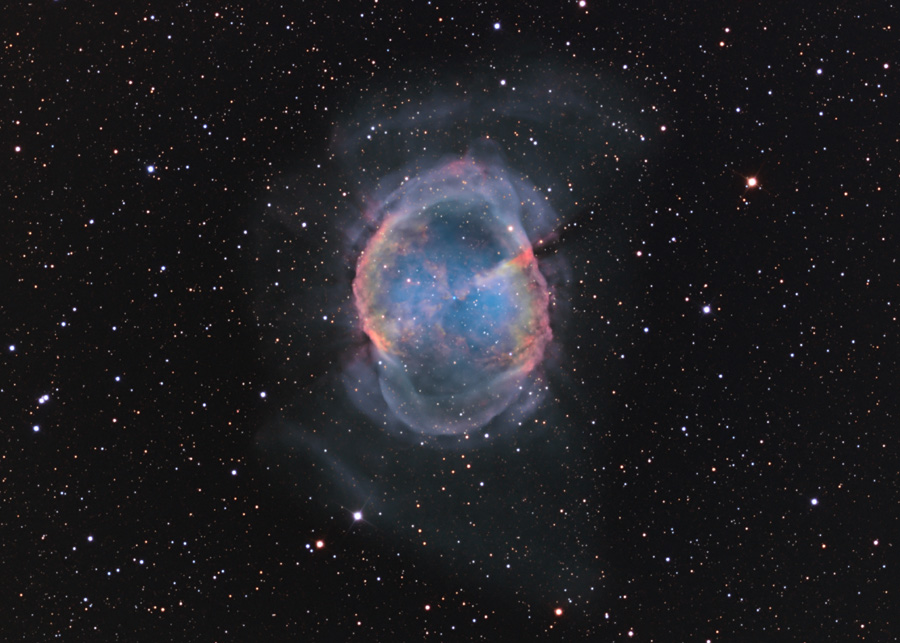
450	294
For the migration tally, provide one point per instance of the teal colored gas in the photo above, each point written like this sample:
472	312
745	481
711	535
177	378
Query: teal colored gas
451	296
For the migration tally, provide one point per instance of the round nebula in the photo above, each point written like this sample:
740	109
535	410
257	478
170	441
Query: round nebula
450	294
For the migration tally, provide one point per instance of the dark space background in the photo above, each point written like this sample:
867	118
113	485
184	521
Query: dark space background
727	473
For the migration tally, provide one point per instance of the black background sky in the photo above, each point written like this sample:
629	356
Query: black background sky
729	475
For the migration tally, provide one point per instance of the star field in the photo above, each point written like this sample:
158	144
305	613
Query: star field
195	443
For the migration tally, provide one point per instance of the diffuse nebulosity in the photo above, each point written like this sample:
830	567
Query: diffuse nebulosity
450	296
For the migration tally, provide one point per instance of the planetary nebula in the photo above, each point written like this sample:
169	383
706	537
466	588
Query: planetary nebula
450	294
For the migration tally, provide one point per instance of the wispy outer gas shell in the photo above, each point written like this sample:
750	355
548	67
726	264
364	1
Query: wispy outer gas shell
451	296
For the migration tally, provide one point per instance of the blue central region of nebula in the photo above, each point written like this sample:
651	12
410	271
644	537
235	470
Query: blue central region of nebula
454	320
450	294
